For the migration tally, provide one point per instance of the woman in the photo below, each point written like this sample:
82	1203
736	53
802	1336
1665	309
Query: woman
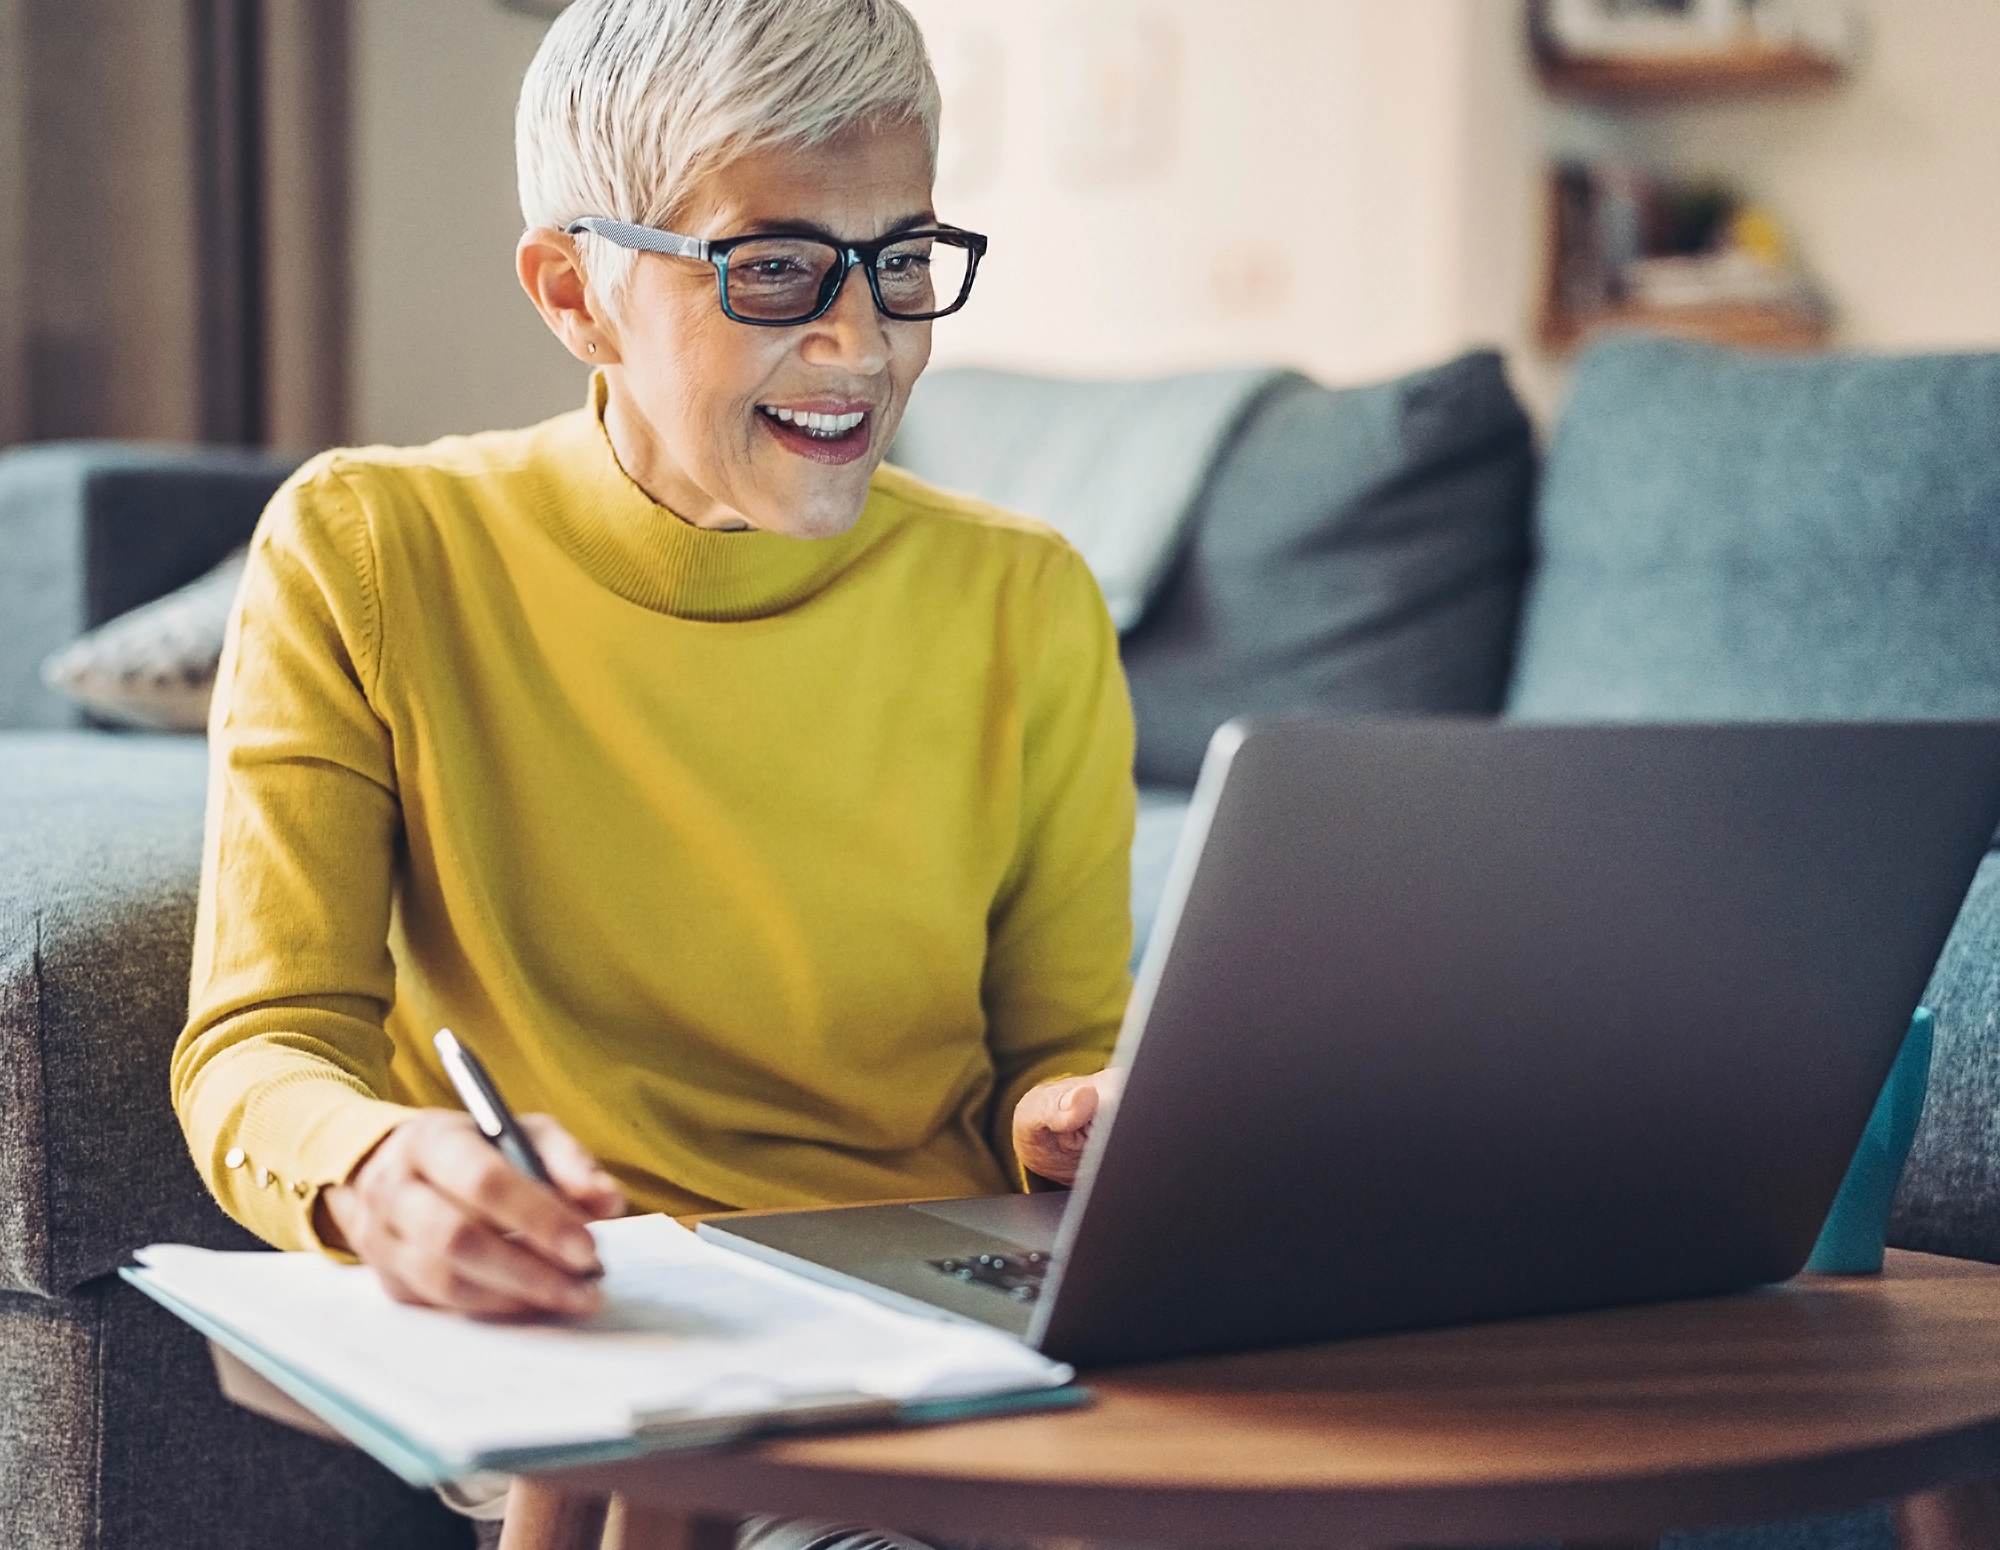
757	812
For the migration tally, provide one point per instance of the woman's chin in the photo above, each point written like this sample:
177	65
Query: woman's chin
814	513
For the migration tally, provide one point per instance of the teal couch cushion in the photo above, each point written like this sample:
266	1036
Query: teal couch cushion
1731	535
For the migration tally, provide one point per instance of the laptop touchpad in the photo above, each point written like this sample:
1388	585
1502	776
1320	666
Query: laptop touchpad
1027	1221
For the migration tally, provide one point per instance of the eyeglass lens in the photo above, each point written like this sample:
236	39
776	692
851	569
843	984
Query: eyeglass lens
784	279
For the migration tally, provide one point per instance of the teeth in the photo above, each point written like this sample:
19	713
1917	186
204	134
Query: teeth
822	425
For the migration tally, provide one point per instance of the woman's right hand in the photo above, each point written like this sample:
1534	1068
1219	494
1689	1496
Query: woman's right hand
445	1220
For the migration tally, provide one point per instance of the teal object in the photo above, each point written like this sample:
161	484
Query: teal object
1852	1241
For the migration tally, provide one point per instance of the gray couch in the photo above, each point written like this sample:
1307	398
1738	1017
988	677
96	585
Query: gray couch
112	1432
1712	536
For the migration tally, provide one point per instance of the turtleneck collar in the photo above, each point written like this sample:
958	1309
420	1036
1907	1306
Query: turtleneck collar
640	550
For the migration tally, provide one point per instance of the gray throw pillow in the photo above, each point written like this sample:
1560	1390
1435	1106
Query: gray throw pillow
1356	550
155	666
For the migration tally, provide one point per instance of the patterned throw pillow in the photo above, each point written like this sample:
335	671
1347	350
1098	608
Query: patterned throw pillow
155	666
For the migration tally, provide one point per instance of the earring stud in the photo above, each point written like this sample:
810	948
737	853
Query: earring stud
591	348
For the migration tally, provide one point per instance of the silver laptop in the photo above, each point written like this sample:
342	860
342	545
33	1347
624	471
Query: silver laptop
1447	1021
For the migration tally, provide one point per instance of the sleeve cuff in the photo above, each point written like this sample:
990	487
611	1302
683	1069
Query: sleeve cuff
272	1186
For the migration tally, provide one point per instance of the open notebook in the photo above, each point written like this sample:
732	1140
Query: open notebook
695	1345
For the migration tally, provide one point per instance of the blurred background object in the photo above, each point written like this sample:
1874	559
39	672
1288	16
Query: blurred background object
290	222
1722	34
173	220
1693	258
1677	252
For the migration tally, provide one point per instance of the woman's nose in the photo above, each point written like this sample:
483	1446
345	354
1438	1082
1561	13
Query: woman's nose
851	329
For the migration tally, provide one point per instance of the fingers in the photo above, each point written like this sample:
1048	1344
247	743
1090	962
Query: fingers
1050	1156
1053	1122
1061	1106
1074	1109
576	1173
458	1162
440	1256
445	1220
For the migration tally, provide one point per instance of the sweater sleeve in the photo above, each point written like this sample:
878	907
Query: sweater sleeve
281	1077
1060	936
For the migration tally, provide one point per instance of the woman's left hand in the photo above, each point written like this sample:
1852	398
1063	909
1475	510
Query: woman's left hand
1052	1122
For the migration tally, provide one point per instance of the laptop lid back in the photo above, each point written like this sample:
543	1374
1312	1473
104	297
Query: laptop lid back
1447	1021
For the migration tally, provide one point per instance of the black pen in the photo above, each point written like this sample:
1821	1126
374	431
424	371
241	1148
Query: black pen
483	1102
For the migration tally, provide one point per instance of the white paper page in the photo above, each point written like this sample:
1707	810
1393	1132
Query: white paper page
688	1330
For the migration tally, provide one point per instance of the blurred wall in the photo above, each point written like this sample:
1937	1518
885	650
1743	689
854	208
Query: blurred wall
1350	186
443	338
1183	182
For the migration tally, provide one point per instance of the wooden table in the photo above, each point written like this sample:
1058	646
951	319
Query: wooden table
1607	1426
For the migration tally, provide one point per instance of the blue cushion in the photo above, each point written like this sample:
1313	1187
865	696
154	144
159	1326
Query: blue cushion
1726	535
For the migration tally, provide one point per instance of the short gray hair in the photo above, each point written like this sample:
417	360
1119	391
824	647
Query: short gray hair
629	103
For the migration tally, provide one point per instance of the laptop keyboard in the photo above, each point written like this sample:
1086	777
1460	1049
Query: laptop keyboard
1018	1276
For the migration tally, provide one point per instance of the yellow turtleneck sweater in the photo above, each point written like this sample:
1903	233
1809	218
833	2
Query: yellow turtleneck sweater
777	870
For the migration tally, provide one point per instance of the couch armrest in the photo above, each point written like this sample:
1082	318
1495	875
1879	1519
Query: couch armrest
100	846
91	529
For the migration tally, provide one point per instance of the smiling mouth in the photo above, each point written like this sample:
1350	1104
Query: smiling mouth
819	437
821	427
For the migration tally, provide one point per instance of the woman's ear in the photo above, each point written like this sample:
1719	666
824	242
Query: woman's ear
552	275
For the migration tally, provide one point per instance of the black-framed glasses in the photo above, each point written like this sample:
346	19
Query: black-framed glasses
782	280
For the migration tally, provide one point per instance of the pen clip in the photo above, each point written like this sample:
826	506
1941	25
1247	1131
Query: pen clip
465	1077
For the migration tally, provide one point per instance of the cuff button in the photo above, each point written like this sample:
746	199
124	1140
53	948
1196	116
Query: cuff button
233	1158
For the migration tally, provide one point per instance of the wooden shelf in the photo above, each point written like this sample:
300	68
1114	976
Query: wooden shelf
1745	325
1740	69
1745	69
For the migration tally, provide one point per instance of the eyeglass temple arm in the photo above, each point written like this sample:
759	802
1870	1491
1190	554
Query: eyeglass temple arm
646	238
